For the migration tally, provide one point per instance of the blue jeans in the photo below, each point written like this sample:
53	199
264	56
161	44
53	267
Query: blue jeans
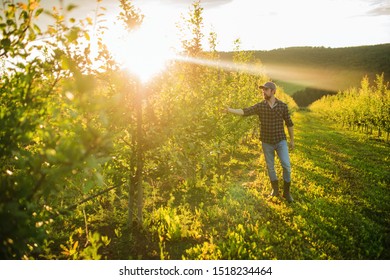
282	152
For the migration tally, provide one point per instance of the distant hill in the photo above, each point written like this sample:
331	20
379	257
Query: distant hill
304	72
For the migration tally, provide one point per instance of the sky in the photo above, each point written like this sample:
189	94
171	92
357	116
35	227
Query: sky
259	24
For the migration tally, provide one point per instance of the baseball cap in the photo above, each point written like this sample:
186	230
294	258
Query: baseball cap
270	85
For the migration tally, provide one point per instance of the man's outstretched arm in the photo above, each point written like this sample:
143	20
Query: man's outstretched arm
239	112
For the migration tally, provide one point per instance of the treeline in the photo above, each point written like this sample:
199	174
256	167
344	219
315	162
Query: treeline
365	59
366	108
372	59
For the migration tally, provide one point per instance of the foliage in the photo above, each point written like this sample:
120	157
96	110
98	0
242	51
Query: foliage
366	107
74	251
52	141
130	16
191	30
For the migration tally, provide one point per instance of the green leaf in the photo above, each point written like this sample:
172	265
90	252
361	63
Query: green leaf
10	22
23	15
37	28
38	12
6	44
73	34
71	7
87	37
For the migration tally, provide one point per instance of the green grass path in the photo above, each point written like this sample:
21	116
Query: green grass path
341	187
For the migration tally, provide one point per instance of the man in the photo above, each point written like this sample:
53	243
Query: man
273	113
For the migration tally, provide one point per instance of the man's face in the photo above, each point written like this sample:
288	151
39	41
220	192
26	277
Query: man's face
267	93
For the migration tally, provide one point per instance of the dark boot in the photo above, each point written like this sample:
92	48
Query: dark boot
286	191
275	188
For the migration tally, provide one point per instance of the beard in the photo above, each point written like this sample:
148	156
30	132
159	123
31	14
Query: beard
266	97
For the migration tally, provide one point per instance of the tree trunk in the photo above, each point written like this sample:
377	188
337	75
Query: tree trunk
140	154
137	164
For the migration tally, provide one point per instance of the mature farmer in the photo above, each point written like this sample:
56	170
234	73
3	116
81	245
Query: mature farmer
273	113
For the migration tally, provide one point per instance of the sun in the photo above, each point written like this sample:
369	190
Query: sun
144	52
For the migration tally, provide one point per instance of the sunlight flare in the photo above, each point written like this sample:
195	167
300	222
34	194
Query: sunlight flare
142	52
308	76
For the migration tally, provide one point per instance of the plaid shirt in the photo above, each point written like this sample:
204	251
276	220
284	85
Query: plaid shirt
271	120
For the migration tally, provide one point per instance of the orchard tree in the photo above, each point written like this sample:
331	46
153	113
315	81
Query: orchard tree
191	29
51	141
132	19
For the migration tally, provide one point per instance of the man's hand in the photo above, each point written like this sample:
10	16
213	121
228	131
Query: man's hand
291	134
225	110
292	145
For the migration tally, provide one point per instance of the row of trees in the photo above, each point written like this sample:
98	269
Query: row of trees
367	107
87	159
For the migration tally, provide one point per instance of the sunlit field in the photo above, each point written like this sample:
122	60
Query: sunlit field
114	145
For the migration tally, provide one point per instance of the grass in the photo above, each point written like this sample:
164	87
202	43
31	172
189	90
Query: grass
343	178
